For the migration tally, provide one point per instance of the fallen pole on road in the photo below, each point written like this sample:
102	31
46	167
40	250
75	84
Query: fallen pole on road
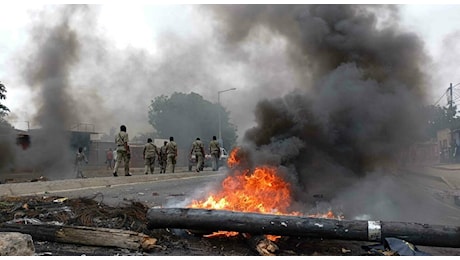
285	225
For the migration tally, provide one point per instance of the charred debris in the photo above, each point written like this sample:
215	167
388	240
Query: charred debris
86	226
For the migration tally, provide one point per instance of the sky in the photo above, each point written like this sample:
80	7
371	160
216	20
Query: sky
133	53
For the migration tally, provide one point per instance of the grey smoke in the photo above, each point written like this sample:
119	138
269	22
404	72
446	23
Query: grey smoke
360	83
47	70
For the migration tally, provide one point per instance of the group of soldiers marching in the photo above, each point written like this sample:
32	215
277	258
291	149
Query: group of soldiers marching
166	155
198	151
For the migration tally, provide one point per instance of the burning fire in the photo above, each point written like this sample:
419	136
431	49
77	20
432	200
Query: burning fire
259	190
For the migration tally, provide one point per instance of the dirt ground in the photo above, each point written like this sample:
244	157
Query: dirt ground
176	245
170	242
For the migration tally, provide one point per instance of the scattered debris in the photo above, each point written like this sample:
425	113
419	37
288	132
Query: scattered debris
60	200
72	218
261	244
176	195
81	221
346	251
82	235
41	178
395	247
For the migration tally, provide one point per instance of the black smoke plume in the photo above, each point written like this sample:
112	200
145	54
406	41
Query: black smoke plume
362	84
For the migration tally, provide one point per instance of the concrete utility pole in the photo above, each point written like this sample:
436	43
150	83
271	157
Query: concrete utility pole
449	97
450	103
221	141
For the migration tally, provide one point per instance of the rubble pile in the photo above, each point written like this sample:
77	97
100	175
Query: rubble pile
85	226
81	226
74	212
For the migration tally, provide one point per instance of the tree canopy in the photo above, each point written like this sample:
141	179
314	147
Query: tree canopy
438	118
3	109
188	116
6	134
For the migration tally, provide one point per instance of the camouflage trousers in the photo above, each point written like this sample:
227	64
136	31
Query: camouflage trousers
171	162
79	170
149	165
215	161
122	156
163	161
199	161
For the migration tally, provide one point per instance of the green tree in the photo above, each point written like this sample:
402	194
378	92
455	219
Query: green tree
438	118
7	135
188	116
3	109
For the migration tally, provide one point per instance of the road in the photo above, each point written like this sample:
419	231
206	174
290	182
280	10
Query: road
424	198
174	192
432	187
424	193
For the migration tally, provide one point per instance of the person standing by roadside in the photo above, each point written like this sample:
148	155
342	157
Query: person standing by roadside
163	158
150	154
109	159
198	151
123	153
214	150
171	150
79	159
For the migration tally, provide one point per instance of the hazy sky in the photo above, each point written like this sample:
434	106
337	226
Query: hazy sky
137	52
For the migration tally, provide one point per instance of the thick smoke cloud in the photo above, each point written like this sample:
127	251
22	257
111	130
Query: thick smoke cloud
47	71
115	85
362	82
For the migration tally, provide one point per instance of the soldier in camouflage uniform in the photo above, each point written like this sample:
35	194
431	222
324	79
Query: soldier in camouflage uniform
198	151
163	158
150	154
123	153
214	150
171	150
79	159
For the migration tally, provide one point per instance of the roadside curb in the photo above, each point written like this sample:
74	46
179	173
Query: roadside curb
445	168
43	187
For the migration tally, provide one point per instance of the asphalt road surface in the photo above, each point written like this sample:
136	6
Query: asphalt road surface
412	197
430	190
158	193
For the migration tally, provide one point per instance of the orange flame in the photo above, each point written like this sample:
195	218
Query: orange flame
329	214
260	190
232	159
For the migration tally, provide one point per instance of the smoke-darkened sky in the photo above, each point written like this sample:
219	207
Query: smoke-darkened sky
130	54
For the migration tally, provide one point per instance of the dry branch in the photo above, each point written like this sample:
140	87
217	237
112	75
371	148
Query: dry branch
83	235
255	223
